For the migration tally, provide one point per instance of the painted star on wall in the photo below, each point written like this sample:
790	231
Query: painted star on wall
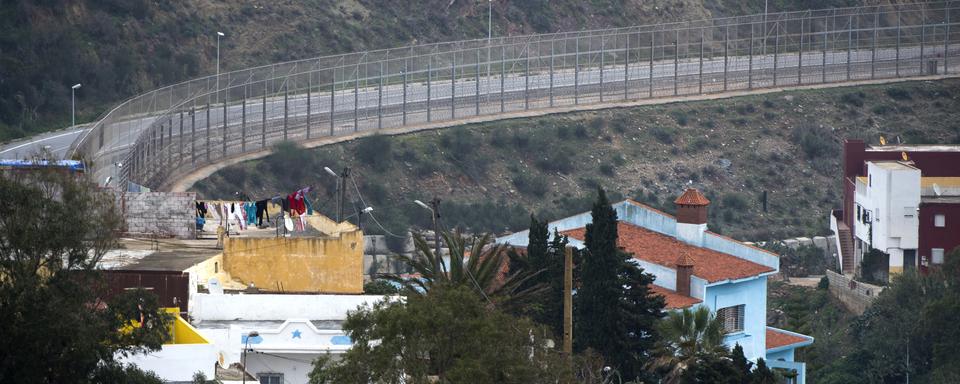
296	334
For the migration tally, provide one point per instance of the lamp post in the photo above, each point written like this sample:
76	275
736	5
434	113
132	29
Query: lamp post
73	104
341	184
360	216
434	209
246	346
219	35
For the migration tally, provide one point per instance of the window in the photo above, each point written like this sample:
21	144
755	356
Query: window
270	378
732	318
858	212
939	220
936	254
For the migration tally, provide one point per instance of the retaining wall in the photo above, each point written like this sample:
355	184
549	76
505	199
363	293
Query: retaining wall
854	295
158	214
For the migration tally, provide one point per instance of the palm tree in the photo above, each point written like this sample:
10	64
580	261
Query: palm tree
687	336
483	267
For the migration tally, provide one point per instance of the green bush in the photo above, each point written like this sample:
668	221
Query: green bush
746	109
735	200
681	117
533	185
899	94
815	140
459	142
663	134
853	98
375	151
607	169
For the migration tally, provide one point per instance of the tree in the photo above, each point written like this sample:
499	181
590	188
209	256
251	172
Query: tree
484	272
448	335
688	339
615	312
741	364
763	374
54	228
543	256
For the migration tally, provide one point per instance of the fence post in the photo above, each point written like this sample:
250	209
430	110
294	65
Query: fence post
676	62
404	73
309	85
285	112
800	54
380	99
700	87
193	135
263	116
243	125
601	68
923	36
898	44
526	80
180	141
169	139
453	87
476	100
429	85
333	104
873	54
750	60
650	75
208	130
551	71
356	100
626	65
726	48
576	71
776	51
946	40
503	71
849	42
823	53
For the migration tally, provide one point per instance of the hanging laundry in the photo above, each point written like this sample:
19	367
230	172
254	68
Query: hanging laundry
201	209
251	209
261	207
309	205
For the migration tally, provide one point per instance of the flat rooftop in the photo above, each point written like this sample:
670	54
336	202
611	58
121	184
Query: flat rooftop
915	148
894	165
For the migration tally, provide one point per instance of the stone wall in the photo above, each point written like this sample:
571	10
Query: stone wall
854	295
158	214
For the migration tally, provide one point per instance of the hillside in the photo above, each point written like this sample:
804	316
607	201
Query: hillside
118	48
490	176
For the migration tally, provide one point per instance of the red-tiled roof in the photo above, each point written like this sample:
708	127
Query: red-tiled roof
661	249
777	338
692	197
674	299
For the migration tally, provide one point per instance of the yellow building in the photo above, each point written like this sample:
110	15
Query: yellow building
329	262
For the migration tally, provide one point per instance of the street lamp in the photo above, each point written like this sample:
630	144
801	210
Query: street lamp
341	185
434	209
360	216
219	35
246	346
73	104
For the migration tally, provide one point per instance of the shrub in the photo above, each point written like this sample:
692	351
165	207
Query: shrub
853	98
557	161
768	104
287	162
580	132
533	185
680	116
814	140
521	139
665	135
375	151
735	200
881	109
498	137
606	169
746	109
899	94
459	142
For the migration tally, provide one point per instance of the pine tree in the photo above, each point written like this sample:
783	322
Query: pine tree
615	315
741	363
763	374
544	256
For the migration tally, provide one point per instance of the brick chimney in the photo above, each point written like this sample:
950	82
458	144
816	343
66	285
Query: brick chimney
684	272
691	216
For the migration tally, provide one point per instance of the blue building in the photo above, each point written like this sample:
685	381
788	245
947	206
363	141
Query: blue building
696	267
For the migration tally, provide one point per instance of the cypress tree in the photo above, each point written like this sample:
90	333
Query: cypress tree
742	365
545	256
615	314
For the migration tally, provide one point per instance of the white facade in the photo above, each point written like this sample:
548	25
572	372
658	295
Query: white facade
178	362
886	205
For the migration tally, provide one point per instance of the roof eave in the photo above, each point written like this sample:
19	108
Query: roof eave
740	280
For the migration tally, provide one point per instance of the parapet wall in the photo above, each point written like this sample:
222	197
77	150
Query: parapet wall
856	296
158	214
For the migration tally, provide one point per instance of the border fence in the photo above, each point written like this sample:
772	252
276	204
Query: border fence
173	130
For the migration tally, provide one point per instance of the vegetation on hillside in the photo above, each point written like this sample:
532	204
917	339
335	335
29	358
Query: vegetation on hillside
119	48
490	176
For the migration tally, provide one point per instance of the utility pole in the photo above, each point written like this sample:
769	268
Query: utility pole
568	302
73	104
435	204
343	185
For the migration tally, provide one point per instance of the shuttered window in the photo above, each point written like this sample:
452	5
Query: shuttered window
732	318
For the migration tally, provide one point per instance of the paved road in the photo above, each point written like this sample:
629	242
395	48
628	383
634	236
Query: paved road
372	106
56	142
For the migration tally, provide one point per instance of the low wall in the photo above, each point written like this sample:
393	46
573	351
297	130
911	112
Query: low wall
856	296
158	214
261	307
297	264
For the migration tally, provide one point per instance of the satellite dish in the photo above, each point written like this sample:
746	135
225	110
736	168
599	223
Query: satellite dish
904	156
288	224
213	285
936	189
883	140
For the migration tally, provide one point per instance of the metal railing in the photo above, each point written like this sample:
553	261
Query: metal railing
176	129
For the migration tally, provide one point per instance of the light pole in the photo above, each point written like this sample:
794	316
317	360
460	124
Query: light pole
219	35
434	209
73	104
489	38
360	216
246	346
341	184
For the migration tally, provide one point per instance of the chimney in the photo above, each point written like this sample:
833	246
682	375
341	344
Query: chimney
684	272
691	216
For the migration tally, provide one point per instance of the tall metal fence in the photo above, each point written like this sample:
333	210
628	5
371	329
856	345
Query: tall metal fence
174	130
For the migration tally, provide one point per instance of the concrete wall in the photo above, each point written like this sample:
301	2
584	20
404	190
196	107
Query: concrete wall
164	214
215	307
316	264
856	296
